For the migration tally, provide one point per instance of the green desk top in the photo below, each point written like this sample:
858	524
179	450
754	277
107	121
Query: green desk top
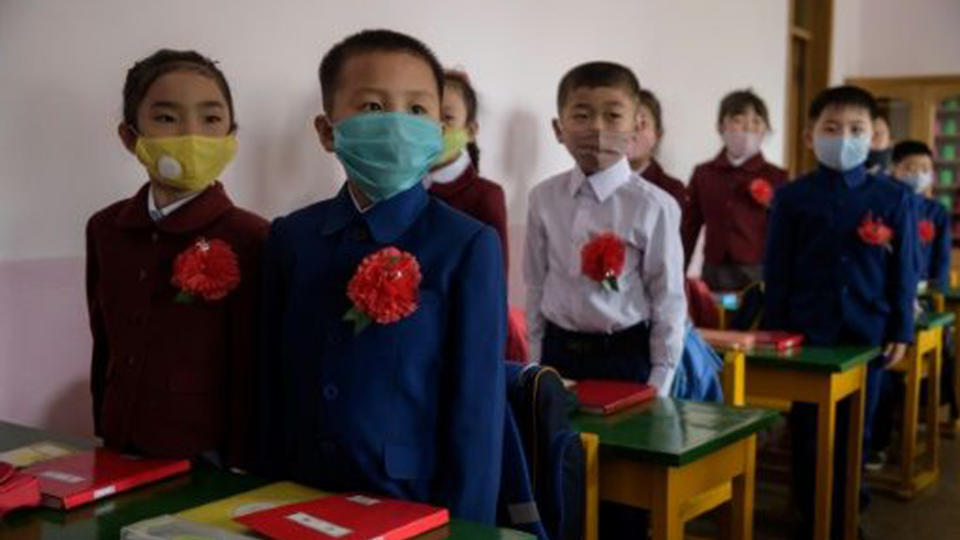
105	518
934	320
672	432
835	359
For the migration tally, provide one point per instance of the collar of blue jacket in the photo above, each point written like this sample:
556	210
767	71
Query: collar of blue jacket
852	178
387	220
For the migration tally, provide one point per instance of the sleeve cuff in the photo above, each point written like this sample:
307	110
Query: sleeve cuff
662	378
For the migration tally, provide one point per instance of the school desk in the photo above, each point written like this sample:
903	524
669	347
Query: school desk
950	302
922	361
679	459
104	519
824	376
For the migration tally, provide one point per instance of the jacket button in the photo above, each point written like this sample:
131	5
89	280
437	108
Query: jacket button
143	274
360	234
131	360
154	237
330	392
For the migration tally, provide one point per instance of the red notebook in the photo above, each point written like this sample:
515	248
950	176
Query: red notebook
606	397
78	479
17	490
347	517
776	339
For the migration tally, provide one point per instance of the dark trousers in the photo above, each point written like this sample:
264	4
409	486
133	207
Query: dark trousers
624	355
803	426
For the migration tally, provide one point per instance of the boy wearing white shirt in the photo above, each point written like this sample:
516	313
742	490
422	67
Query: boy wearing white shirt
625	321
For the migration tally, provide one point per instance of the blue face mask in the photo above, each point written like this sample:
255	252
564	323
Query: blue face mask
841	153
387	153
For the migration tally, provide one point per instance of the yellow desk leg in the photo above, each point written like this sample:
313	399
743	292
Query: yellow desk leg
858	401
591	517
933	404
741	500
826	429
734	373
665	511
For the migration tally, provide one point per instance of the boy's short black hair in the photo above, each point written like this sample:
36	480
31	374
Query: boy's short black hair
372	41
146	71
843	96
596	74
649	100
738	101
904	149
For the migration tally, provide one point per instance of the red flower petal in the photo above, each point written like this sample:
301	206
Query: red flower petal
927	231
208	269
386	285
761	191
603	257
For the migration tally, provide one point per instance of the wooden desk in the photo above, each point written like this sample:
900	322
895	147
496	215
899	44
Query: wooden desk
824	376
104	519
680	459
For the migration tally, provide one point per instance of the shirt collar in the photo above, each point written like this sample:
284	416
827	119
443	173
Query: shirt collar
753	164
449	172
851	178
604	182
205	208
387	220
157	213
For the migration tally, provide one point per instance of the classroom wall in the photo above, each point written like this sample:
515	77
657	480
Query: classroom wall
888	38
62	65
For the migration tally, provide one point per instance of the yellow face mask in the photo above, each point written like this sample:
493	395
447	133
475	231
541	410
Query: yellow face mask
189	162
454	140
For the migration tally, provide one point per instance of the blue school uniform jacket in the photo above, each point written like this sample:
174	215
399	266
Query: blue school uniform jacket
412	409
822	278
934	256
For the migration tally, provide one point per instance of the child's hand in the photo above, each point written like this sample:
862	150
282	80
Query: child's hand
893	353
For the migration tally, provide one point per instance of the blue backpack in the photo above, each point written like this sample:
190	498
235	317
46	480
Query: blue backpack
543	457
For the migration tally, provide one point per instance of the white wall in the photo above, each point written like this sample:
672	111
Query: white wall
62	64
886	38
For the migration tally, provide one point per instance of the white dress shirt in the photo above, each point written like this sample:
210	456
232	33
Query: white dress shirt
565	212
157	213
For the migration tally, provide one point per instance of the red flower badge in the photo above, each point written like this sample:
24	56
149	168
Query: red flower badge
207	269
761	191
384	289
873	232
927	231
602	259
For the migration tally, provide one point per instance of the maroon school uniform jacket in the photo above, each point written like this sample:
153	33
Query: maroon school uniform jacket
171	379
655	175
720	199
479	198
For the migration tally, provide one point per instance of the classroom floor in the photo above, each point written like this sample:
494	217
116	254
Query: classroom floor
932	515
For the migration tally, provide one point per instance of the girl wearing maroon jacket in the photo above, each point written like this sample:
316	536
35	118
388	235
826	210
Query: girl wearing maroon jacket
172	274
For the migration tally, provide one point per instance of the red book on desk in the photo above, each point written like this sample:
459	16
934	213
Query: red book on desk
728	339
347	517
606	397
777	340
78	479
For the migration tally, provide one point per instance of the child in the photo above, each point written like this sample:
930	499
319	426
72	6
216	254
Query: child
881	147
642	153
172	274
597	321
730	195
384	309
635	330
913	165
455	179
840	268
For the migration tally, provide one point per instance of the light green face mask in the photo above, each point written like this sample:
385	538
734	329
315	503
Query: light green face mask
454	141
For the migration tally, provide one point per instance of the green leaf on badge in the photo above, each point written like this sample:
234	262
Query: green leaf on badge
611	284
359	319
183	297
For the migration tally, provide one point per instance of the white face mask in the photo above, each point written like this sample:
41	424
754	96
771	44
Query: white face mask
742	145
920	182
841	153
